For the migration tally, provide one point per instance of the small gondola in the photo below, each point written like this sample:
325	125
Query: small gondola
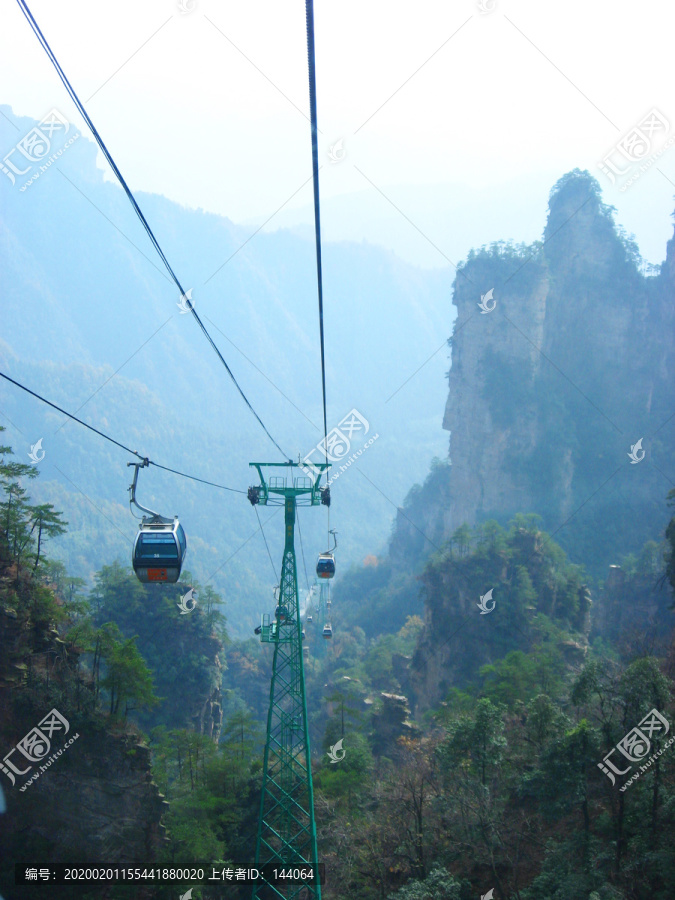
159	550
160	547
325	566
327	631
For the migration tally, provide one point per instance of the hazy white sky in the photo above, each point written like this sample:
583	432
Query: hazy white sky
207	106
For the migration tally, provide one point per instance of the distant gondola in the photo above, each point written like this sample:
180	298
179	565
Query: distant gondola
327	631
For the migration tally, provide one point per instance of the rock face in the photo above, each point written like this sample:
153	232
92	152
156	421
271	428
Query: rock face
91	802
573	363
634	611
96	802
391	722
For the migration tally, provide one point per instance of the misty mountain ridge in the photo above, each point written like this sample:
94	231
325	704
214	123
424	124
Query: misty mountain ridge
76	259
560	401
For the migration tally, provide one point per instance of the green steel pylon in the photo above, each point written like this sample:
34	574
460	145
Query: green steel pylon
286	827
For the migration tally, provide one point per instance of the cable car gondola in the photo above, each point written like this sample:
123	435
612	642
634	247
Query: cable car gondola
160	547
325	567
327	631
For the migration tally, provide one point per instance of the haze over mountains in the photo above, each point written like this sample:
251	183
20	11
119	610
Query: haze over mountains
90	321
427	225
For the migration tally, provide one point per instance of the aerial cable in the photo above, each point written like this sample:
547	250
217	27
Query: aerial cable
99	140
117	443
309	12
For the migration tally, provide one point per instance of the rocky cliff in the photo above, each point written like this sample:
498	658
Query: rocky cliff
634	611
89	796
567	362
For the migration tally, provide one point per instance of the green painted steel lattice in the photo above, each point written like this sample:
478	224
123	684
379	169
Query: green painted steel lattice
286	827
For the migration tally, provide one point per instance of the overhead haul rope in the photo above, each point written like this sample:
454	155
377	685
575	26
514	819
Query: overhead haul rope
99	140
117	443
311	62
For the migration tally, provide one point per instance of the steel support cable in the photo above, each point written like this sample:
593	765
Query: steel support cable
309	11
99	140
311	63
117	443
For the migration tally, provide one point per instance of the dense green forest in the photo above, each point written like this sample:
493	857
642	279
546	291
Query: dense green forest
487	780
